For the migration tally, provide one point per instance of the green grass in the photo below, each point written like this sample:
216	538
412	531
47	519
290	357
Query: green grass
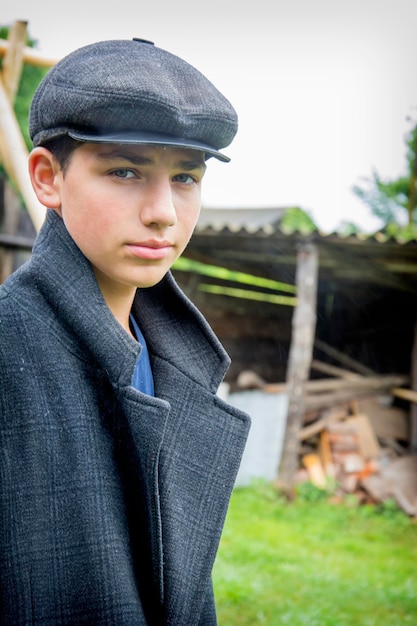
310	562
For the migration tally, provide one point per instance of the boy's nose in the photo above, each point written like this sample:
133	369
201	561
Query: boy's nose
158	207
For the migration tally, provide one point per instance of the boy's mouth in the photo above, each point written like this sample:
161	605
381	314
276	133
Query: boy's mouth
153	249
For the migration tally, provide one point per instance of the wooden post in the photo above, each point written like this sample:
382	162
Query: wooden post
13	59
30	55
12	146
413	407
300	357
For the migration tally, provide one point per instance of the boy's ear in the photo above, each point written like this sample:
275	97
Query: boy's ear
45	175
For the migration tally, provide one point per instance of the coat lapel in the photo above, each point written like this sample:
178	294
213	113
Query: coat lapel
202	445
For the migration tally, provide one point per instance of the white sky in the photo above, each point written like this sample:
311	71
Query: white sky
323	88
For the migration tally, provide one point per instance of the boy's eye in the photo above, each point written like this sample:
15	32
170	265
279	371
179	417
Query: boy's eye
185	178
123	173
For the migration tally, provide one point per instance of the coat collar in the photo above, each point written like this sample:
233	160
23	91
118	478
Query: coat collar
173	327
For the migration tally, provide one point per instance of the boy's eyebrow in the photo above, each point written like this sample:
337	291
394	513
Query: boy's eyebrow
197	164
138	159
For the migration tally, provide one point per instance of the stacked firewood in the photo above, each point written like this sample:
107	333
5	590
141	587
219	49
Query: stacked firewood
355	436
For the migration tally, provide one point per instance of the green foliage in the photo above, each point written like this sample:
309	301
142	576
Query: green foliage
389	509
297	220
30	79
386	198
348	228
402	233
309	492
394	201
314	563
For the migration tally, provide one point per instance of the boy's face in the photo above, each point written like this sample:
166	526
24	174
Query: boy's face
130	209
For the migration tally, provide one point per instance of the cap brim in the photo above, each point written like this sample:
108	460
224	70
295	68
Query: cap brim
146	139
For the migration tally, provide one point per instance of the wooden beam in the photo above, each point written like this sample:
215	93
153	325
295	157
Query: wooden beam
329	417
30	55
300	355
333	370
15	157
413	407
367	384
15	241
405	394
13	59
343	358
320	401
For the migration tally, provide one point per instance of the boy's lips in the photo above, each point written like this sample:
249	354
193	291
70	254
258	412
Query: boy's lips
152	249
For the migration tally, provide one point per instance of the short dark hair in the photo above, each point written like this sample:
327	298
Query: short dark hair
63	148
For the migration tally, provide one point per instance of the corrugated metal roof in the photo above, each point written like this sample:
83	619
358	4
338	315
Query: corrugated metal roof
267	221
255	241
249	220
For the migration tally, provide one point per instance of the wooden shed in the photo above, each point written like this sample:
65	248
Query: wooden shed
366	292
356	309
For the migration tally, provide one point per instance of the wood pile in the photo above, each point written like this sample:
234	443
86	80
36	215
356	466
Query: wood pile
355	436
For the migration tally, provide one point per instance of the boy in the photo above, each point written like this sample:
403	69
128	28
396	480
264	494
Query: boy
117	457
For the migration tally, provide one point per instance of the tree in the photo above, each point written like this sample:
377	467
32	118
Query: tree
394	202
296	219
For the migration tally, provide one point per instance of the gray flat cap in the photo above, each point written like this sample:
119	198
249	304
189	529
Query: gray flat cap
126	91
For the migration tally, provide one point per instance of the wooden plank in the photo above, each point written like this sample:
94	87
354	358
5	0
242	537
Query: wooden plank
16	241
317	401
343	358
15	156
396	480
369	384
13	59
315	470
329	417
405	394
300	356
387	421
333	370
367	442
13	219
413	407
325	454
30	56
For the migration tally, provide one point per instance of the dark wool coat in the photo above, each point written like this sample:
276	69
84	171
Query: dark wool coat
111	502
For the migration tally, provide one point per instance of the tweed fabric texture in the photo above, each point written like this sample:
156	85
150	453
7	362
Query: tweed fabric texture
131	91
111	502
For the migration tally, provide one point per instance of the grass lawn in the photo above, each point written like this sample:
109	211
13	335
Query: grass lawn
313	563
